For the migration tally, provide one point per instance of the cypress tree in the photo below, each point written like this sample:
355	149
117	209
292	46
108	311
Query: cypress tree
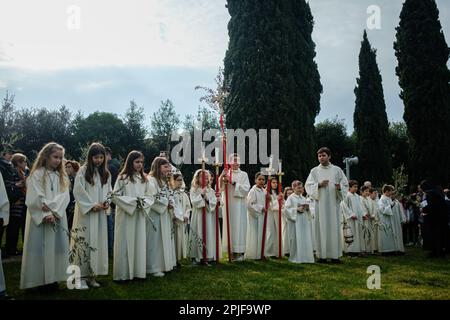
424	78
370	120
273	80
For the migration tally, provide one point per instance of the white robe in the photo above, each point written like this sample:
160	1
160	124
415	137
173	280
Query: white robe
4	214
96	233
273	228
129	230
311	203
284	231
398	219
161	255
369	207
327	219
256	201
238	212
375	221
352	207
182	210
46	248
300	237
196	235
386	241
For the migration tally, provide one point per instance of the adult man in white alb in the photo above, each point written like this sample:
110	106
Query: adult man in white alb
327	185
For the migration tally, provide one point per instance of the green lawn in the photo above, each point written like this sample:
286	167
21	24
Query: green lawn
412	276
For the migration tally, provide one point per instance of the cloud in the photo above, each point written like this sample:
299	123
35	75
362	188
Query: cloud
114	33
4	57
95	85
108	88
157	49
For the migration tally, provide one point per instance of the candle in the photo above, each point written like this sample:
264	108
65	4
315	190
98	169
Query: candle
270	162
279	166
217	155
203	152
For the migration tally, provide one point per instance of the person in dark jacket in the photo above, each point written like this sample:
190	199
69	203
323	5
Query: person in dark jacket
17	212
447	201
72	168
11	180
436	212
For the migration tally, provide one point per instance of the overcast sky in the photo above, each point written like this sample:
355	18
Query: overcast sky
152	50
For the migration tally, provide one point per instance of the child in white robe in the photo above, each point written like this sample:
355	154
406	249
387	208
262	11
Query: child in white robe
285	229
273	225
182	211
91	188
399	220
161	256
374	218
132	199
4	218
300	236
46	243
256	204
237	183
369	208
386	240
203	198
352	211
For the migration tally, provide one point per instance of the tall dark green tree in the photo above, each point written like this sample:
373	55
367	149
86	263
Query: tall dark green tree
399	144
370	120
424	77
272	77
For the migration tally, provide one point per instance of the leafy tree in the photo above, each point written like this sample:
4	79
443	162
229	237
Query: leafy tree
333	134
104	127
163	122
36	127
134	122
7	112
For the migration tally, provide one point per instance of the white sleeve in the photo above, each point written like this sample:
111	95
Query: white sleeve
290	209
312	186
80	194
242	187
254	208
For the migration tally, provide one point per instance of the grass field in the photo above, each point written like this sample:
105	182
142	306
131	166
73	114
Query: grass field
412	276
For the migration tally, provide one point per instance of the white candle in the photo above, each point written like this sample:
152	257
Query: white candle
279	166
217	155
270	162
203	152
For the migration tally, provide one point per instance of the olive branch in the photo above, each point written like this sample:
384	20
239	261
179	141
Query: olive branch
79	252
